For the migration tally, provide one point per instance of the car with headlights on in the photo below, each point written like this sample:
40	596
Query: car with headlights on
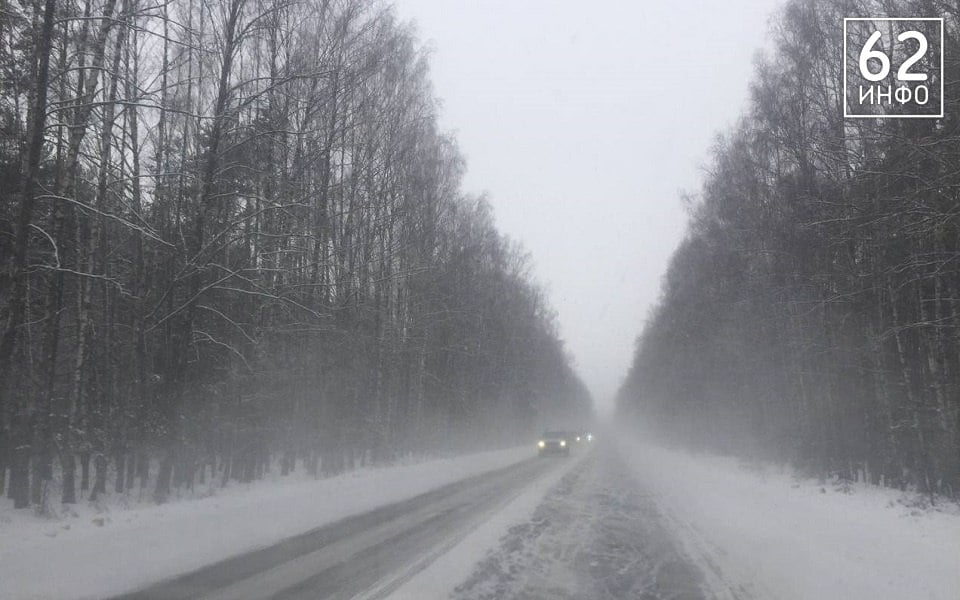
554	442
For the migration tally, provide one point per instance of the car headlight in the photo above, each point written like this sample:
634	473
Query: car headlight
541	443
578	438
563	443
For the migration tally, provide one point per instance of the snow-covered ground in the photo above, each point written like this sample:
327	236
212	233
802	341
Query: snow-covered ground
97	551
763	533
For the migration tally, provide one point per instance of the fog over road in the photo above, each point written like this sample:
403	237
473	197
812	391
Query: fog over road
595	534
619	518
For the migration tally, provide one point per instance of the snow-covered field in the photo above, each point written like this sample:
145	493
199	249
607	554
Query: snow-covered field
763	533
102	551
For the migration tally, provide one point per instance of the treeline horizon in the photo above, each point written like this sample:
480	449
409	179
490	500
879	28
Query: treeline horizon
812	312
232	236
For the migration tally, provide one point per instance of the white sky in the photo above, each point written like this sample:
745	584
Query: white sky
583	120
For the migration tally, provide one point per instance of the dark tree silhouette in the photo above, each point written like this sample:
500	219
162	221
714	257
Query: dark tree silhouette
812	313
236	237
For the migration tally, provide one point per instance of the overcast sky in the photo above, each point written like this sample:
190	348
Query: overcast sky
583	121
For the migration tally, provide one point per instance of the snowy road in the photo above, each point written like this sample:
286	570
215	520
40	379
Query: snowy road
617	520
596	535
364	556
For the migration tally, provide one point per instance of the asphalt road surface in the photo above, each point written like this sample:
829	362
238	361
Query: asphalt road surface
365	556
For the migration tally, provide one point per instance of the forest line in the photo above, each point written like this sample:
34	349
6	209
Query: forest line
812	313
233	236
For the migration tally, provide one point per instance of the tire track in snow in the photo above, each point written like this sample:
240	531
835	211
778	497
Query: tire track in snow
596	535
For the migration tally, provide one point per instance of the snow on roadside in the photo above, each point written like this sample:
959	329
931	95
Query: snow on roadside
95	555
774	536
454	566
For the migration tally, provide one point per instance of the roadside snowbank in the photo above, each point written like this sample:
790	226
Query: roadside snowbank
774	536
454	566
93	554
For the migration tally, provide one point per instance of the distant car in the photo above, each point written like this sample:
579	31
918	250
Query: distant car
554	442
583	436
